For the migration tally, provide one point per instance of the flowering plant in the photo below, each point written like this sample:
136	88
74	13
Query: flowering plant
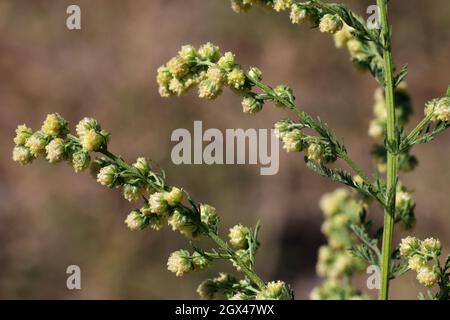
352	242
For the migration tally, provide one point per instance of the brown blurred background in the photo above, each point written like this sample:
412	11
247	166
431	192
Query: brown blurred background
51	217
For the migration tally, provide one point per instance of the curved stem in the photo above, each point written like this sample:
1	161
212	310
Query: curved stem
389	212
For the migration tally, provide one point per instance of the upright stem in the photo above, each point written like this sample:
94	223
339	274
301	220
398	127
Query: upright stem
389	213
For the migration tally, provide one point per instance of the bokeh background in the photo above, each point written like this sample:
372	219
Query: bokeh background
51	217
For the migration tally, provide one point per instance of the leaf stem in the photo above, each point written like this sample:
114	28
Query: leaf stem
392	166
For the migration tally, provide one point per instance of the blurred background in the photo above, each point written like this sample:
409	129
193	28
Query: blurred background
51	217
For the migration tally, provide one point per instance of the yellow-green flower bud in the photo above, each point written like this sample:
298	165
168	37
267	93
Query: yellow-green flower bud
330	203
54	125
86	124
409	246
36	143
431	247
236	78
22	155
341	38
376	129
209	52
182	223
315	152
180	263
174	197
354	47
298	14
227	61
131	193
238	236
416	262
142	165
177	67
199	261
208	89
22	134
251	105
158	203
80	160
187	53
427	277
156	221
216	75
55	150
244	258
440	109
292	141
285	93
208	216
135	220
91	140
281	5
255	74
177	87
275	290
163	76
330	24
107	175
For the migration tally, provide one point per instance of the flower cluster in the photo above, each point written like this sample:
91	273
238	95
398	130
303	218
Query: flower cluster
438	109
419	254
335	262
231	288
294	140
208	69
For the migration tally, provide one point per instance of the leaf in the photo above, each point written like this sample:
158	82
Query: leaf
361	251
401	76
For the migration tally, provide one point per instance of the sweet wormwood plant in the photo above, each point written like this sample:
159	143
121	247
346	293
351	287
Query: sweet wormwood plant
346	226
352	244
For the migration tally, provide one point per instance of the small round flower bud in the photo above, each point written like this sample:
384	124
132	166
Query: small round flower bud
135	220
216	75
416	262
285	93
244	257
255	74
158	203
22	155
182	223
355	48
292	141
227	61
281	5
431	246
180	263
177	87
131	193
236	78
208	89
107	175
409	246
440	109
282	128
80	160
208	216
142	165
54	125
177	67
91	140
86	124
174	197
22	134
187	53
298	14
330	24
36	143
209	52
55	150
238	236
403	199
251	105
427	277
315	152
275	290
207	289
155	221
163	76
199	261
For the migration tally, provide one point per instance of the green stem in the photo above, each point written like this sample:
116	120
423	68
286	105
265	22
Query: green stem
389	212
413	134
